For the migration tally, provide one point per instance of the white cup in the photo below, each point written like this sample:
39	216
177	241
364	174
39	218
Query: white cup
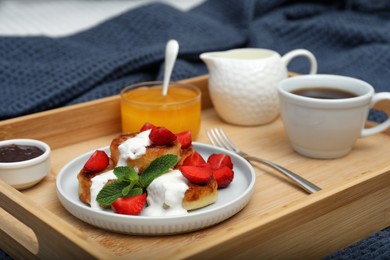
243	82
327	128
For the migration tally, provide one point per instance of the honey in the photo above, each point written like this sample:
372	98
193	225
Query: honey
179	110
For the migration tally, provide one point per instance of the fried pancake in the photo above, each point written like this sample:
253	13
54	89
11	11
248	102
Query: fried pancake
152	152
85	181
199	196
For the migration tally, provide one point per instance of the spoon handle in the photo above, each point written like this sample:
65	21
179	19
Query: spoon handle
171	51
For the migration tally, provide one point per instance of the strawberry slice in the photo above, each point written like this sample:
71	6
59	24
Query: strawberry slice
224	176
197	174
161	136
97	162
219	160
185	139
129	205
194	159
147	126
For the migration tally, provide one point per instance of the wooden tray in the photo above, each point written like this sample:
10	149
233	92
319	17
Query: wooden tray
280	221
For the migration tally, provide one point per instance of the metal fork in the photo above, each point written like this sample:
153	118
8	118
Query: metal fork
218	138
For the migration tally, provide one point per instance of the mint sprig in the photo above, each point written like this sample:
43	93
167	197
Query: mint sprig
127	175
157	168
110	193
129	183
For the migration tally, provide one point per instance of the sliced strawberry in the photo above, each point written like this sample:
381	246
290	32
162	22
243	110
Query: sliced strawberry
194	159
162	136
185	139
218	160
224	176
129	205
197	174
97	162
147	126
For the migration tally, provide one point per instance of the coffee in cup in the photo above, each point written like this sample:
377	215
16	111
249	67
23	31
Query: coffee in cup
324	115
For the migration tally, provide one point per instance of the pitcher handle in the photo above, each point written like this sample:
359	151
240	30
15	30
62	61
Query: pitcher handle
301	52
382	126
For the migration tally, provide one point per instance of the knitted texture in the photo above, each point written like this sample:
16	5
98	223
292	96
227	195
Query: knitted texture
39	73
375	246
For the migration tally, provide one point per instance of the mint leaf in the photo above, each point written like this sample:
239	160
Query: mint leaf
110	193
126	190
158	167
135	192
125	173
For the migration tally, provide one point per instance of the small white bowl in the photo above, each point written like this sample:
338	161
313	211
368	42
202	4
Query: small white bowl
24	174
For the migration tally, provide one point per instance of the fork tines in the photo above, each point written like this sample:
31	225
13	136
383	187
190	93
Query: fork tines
218	138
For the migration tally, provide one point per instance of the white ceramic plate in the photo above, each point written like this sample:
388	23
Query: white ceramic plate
230	201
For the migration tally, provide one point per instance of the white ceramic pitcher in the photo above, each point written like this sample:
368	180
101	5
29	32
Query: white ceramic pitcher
243	82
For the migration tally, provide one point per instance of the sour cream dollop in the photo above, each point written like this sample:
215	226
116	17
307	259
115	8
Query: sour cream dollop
97	184
133	148
165	195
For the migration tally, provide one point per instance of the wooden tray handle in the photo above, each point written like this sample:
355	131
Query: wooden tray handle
50	241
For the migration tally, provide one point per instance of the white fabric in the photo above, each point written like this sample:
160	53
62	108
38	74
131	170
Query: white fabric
60	17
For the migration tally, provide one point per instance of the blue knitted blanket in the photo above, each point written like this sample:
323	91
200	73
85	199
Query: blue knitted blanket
348	38
39	73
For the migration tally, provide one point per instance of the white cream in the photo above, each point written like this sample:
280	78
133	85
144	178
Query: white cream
165	195
133	148
97	184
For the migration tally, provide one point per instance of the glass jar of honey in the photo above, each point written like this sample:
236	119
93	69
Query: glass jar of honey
178	111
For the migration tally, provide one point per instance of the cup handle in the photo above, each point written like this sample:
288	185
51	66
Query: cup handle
301	52
382	126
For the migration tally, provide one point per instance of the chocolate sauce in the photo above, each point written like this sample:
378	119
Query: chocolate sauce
18	153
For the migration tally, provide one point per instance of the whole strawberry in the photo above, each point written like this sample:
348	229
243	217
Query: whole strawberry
129	205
